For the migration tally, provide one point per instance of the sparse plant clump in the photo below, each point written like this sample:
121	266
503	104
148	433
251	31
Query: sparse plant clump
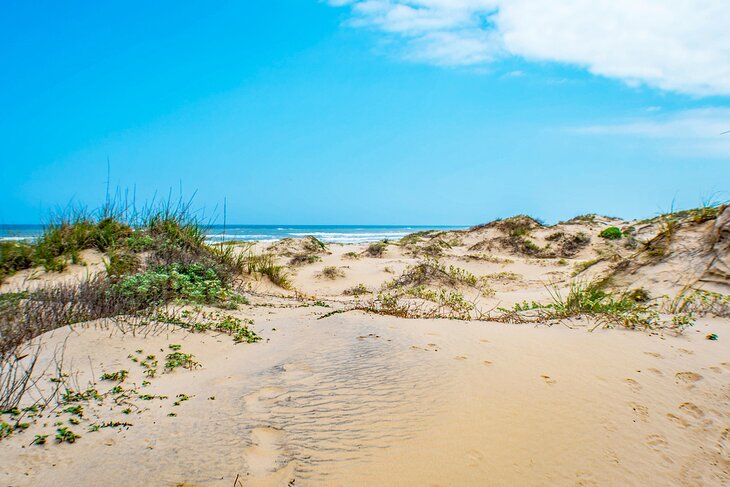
332	272
555	236
503	276
587	219
118	376
639	295
180	359
450	303
376	249
65	435
519	226
416	237
39	440
584	265
699	302
351	255
434	304
611	233
264	264
605	308
238	328
490	258
705	213
358	290
433	272
303	259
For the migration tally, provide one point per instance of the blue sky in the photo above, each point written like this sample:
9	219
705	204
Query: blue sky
365	112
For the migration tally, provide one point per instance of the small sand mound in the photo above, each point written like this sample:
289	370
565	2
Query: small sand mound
515	224
308	245
432	274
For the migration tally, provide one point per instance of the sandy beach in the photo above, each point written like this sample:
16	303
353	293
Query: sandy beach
341	391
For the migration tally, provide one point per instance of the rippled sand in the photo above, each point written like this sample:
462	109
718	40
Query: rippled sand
363	400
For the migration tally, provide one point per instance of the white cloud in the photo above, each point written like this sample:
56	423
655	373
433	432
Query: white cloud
675	45
700	131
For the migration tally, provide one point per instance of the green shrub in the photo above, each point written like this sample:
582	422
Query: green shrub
121	264
139	241
611	233
14	256
191	282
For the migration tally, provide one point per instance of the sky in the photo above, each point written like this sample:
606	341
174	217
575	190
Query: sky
422	112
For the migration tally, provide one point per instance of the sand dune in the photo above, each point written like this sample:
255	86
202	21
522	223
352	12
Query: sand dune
352	398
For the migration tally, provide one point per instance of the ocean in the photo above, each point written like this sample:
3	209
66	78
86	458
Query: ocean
216	233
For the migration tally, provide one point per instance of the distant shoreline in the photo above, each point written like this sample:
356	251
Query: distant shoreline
344	234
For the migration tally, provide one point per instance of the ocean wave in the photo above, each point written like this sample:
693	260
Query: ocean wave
16	239
352	234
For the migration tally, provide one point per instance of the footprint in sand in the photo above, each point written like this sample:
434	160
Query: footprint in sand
369	335
688	377
641	411
677	420
692	410
685	351
656	442
484	340
262	399
264	454
547	379
584	479
654	354
487	363
716	370
723	443
475	458
655	371
461	357
611	456
635	386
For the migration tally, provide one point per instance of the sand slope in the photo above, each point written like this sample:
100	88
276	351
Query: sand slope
363	400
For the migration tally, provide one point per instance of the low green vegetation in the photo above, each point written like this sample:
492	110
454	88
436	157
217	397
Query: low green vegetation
65	435
700	302
180	359
611	233
190	282
628	310
431	271
118	376
264	265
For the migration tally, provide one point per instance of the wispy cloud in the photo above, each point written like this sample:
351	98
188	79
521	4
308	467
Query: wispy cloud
699	132
675	45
